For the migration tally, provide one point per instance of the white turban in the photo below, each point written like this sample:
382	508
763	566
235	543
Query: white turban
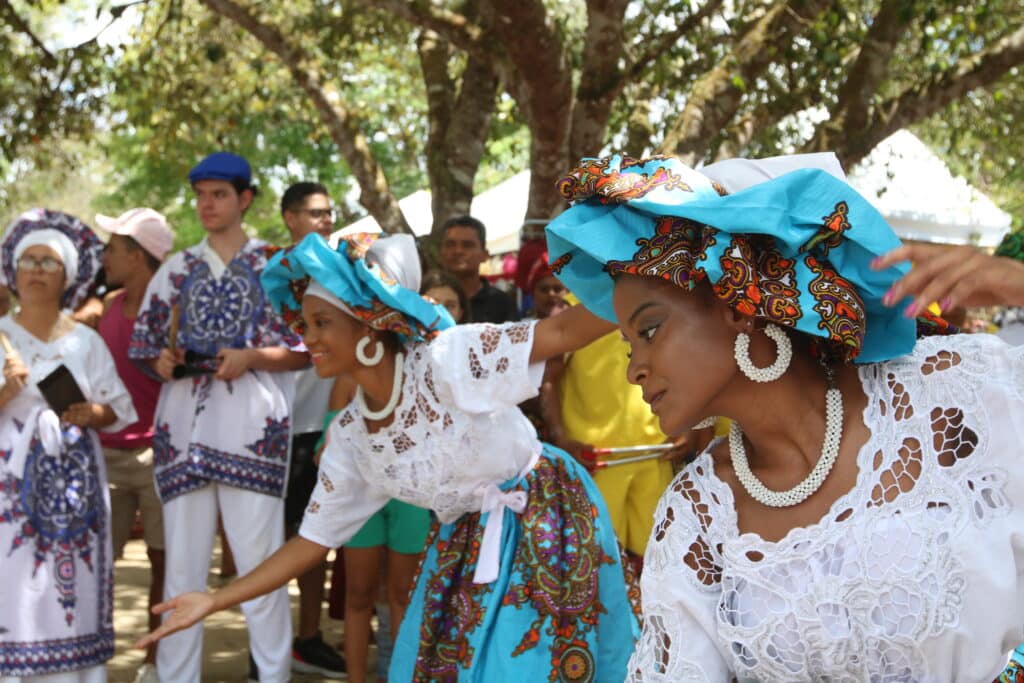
739	174
59	242
320	292
397	257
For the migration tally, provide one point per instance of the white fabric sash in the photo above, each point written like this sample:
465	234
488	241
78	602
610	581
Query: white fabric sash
494	502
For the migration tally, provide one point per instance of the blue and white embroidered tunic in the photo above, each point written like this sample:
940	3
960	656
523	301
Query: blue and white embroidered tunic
56	582
208	430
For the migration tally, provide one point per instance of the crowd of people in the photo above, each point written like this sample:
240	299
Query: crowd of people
531	490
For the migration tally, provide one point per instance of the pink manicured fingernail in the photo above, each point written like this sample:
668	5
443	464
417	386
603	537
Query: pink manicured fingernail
876	263
887	299
946	304
910	311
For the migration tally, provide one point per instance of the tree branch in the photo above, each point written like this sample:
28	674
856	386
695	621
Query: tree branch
715	97
456	28
854	97
921	101
15	20
375	194
658	45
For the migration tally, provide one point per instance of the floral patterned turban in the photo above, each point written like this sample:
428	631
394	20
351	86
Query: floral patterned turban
794	250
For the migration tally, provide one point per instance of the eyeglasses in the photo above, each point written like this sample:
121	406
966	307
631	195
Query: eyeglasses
45	264
317	214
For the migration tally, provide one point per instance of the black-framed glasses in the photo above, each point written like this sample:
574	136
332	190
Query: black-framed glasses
317	214
47	264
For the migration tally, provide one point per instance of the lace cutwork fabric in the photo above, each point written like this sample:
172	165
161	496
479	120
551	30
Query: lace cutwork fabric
456	429
914	575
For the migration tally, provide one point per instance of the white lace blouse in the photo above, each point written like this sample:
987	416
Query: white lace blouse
916	574
456	430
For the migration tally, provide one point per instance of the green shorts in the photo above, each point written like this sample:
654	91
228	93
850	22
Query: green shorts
403	528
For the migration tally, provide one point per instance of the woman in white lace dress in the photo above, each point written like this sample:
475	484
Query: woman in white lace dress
862	521
56	565
522	578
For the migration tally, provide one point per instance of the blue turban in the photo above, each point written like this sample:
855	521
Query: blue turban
795	250
369	293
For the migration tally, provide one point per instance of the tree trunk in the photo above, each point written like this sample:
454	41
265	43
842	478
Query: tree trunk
459	126
540	79
600	74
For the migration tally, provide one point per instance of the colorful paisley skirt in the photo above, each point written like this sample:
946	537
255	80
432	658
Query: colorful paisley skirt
561	608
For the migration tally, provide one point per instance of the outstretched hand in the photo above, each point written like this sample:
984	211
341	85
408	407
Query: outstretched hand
184	611
953	277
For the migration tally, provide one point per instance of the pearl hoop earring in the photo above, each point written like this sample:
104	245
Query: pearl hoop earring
705	423
773	371
378	352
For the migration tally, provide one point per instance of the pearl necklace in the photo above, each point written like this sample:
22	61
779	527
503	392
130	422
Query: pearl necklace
396	392
814	480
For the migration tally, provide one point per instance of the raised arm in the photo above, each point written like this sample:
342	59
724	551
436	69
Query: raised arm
953	276
567	331
293	559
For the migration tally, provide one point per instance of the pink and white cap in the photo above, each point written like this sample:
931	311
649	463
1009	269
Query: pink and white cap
147	227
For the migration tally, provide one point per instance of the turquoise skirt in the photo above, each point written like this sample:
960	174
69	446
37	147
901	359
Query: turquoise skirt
561	608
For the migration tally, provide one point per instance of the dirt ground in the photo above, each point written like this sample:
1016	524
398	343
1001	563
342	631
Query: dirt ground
225	643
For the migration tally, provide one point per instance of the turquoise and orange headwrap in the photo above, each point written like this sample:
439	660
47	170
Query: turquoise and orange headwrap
368	292
795	250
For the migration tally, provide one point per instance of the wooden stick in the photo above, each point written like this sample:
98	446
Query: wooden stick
172	333
601	464
622	450
9	352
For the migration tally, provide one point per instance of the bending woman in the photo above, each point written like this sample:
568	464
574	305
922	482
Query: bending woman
861	521
56	596
522	578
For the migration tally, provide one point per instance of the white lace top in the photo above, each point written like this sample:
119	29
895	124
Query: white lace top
456	430
916	574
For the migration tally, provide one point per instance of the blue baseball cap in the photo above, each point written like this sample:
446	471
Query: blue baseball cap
221	166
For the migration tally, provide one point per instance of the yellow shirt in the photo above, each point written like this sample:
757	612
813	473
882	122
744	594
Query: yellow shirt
599	406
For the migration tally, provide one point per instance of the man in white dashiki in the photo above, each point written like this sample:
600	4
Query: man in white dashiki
221	428
56	592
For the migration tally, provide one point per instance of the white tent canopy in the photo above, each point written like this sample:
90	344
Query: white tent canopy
502	209
922	199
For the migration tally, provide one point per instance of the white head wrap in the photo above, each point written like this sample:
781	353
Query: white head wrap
319	291
397	257
59	242
739	174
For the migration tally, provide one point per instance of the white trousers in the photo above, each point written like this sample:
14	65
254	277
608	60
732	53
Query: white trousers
94	674
254	525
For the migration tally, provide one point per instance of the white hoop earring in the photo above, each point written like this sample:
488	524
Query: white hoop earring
378	352
773	371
